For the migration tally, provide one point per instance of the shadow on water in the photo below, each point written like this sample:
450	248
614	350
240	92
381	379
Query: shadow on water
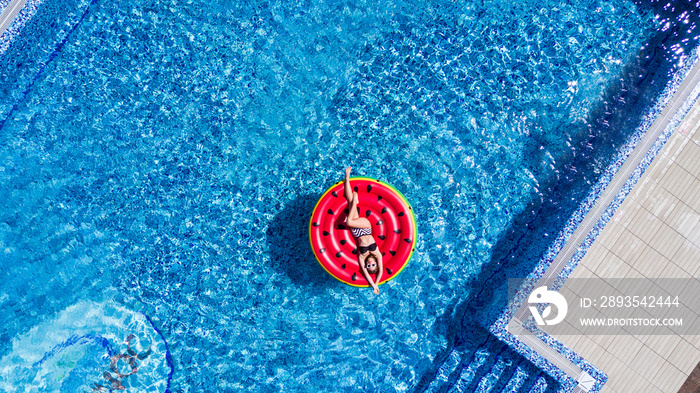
288	241
464	325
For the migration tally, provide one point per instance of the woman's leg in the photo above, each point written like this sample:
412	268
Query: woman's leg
348	190
353	220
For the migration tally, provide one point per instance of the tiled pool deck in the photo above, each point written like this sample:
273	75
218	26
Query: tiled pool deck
654	234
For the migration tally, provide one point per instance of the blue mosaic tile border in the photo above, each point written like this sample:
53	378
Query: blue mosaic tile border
18	23
499	329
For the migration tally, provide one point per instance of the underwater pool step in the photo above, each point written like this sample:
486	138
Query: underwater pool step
459	364
497	374
517	380
539	386
508	375
470	371
504	376
446	369
489	368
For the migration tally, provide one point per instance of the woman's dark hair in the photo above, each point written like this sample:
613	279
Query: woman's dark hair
375	270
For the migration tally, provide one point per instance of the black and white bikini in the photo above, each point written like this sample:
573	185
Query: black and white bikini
357	232
371	247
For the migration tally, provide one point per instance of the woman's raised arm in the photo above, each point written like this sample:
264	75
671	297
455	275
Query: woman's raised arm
380	264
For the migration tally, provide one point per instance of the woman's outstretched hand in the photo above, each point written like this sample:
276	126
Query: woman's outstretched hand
376	290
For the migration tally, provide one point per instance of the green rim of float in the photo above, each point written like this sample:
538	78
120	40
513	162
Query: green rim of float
393	228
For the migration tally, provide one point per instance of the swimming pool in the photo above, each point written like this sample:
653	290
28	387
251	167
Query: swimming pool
162	163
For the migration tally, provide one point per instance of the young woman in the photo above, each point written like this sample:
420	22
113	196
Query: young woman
368	254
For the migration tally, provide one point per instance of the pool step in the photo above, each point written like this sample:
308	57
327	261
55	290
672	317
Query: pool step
490	368
517	380
468	373
531	380
492	378
540	385
448	367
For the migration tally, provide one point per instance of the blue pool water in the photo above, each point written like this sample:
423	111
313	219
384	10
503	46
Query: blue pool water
159	161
